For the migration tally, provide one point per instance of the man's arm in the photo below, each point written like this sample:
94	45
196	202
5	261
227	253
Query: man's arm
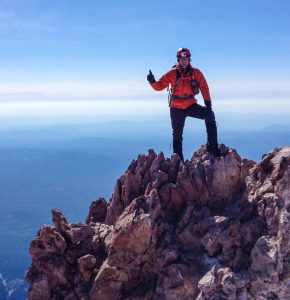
202	84
163	82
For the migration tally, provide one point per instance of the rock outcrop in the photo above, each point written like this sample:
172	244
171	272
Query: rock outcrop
211	228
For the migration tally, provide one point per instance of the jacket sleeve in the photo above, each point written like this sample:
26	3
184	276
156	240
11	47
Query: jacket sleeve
163	82
202	84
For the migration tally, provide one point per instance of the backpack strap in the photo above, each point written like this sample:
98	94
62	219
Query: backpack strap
171	90
194	83
178	75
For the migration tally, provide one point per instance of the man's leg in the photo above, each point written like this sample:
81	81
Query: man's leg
199	112
177	122
212	143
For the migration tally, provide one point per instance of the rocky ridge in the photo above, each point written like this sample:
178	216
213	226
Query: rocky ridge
211	228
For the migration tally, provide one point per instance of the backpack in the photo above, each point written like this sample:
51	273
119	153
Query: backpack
194	84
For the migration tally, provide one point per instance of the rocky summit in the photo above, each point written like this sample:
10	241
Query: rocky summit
209	228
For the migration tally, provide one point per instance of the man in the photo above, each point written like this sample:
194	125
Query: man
185	82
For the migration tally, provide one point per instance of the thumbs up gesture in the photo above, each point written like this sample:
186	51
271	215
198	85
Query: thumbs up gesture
150	77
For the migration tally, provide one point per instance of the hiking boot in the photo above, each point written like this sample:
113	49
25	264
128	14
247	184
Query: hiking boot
213	150
177	148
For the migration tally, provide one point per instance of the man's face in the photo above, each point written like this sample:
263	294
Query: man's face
184	61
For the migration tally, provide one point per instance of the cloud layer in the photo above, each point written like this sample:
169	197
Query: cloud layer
260	96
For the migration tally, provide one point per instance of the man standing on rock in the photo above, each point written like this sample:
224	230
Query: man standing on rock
185	82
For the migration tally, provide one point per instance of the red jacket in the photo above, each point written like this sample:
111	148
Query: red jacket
183	86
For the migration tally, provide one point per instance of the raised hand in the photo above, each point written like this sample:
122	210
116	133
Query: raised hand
150	77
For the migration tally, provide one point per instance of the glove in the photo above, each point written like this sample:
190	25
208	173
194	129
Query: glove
208	107
150	77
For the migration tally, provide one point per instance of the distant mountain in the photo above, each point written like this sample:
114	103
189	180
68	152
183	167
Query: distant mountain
276	128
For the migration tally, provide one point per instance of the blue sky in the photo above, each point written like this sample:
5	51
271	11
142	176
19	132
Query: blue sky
85	57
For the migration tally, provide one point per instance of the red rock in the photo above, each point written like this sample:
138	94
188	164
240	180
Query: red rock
211	228
97	211
79	232
86	265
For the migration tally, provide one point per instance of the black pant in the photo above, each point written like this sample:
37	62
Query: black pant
178	117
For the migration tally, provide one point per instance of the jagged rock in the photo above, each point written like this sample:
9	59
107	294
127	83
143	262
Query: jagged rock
107	283
86	266
209	228
48	240
39	288
211	240
97	211
131	185
79	232
102	238
223	284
